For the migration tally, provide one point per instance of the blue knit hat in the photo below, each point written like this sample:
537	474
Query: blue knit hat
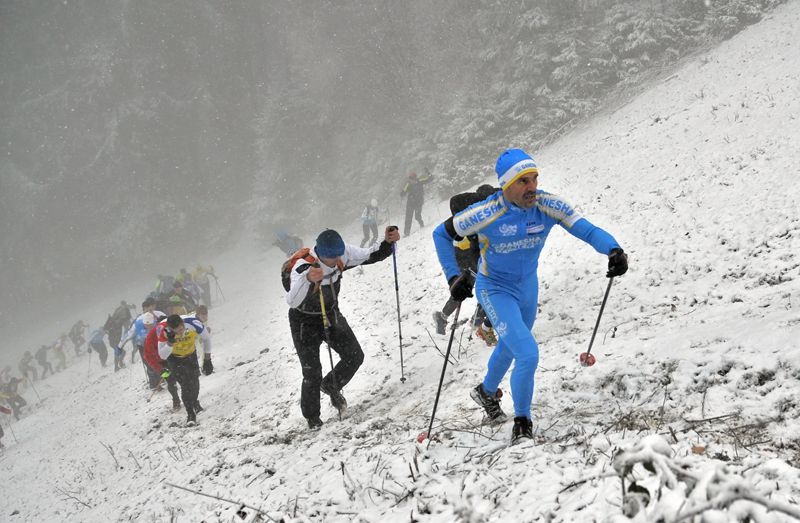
512	164
329	244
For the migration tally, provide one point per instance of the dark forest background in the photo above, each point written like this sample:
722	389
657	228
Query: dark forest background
140	136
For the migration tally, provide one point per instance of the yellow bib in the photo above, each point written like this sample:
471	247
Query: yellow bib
185	345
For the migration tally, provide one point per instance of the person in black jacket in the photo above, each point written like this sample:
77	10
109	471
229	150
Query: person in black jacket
320	274
467	254
26	366
76	335
415	191
184	298
41	357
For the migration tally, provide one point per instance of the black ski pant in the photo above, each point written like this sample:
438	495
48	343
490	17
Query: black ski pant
101	350
172	387
369	227
308	334
46	366
153	378
479	318
119	359
115	335
25	369
78	342
413	210
186	372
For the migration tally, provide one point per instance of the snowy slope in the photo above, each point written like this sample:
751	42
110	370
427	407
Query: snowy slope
697	178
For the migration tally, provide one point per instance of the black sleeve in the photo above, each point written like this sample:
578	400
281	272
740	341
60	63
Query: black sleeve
451	230
383	252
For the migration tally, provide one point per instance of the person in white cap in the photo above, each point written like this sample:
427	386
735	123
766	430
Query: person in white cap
137	334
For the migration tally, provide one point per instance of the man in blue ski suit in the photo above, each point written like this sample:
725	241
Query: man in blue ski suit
512	226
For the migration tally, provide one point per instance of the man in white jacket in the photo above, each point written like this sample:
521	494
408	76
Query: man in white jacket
321	272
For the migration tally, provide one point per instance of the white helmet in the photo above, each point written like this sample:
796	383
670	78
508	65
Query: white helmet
374	202
148	318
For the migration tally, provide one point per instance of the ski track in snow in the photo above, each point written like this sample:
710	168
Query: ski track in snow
697	178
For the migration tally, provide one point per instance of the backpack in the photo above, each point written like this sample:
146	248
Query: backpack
166	283
286	268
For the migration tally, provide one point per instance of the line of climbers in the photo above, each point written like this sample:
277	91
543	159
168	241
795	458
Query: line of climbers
173	359
372	216
492	242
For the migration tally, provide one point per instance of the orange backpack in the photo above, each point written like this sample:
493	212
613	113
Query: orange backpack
286	268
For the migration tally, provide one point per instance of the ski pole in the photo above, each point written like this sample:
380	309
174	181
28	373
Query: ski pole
327	327
441	379
36	391
474	314
472	322
586	358
219	289
144	365
12	432
397	296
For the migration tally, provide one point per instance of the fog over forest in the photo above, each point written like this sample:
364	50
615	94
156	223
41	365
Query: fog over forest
141	137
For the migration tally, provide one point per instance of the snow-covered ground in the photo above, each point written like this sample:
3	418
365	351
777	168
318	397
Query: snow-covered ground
697	178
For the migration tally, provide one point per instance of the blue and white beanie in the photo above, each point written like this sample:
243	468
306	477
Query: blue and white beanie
512	164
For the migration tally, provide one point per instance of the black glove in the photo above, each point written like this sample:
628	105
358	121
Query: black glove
208	367
170	337
461	287
617	263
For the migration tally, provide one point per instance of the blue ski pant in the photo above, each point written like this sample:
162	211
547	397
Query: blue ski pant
512	311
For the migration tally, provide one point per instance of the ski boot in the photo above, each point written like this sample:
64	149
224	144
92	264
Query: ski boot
441	322
490	404
487	335
523	429
314	423
337	399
